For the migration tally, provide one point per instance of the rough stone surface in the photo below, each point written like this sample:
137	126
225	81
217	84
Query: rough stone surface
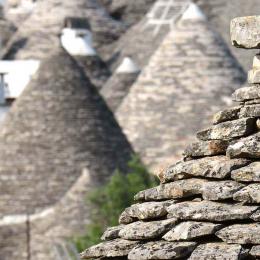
210	211
249	173
207	148
255	251
124	218
217	251
146	230
148	210
229	130
246	93
250	111
249	194
245	32
117	88
248	147
111	233
161	250
190	230
220	190
58	126
226	115
240	234
256	216
218	167
254	76
114	248
204	73
174	190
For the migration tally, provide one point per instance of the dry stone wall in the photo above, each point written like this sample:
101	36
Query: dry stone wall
206	207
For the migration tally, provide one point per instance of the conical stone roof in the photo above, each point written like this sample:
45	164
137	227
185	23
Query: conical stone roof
39	34
142	39
118	85
190	76
57	127
207	205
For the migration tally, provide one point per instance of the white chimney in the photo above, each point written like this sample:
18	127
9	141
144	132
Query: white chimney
193	12
128	66
77	42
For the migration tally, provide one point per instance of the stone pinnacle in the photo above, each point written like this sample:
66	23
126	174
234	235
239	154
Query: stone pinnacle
245	32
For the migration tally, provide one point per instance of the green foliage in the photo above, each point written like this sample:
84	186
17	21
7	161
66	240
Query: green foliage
109	201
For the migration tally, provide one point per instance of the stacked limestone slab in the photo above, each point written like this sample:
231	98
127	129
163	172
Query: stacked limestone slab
191	69
207	205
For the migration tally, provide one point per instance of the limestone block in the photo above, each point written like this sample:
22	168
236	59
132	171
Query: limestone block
255	251
250	111
240	234
218	167
249	173
245	32
220	190
125	218
246	93
173	190
210	211
229	130
113	248
190	230
249	194
149	210
161	250
226	115
217	251
146	230
111	233
245	148
254	76
207	148
256	216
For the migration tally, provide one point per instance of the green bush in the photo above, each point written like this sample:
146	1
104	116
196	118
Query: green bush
109	201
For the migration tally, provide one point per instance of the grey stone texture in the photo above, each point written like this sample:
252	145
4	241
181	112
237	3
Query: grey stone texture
229	130
161	250
147	230
117	88
174	190
218	251
248	147
249	173
190	230
211	211
246	93
218	167
115	248
249	194
60	125
226	115
215	204
65	142
241	234
206	148
157	98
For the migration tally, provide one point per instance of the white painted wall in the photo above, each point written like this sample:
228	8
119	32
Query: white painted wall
77	42
18	75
